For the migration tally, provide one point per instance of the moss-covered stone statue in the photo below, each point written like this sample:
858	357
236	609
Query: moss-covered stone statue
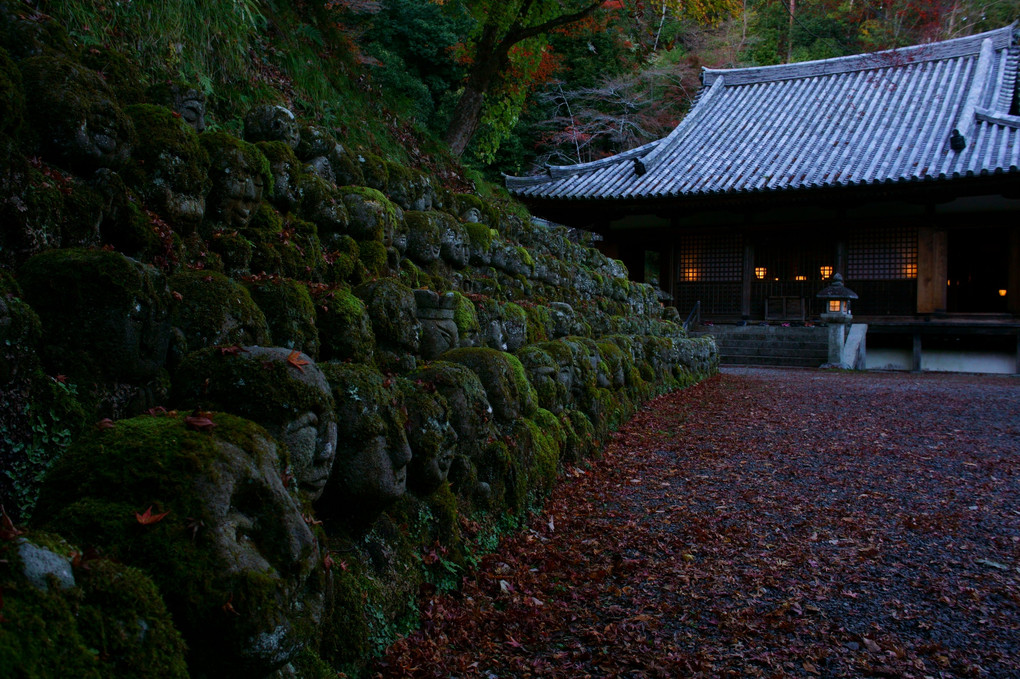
506	384
432	438
209	309
391	308
280	389
75	115
370	471
345	329
198	503
438	327
71	614
184	99
106	324
272	123
239	174
169	168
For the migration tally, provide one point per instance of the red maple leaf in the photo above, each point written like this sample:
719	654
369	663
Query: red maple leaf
232	350
199	421
294	359
147	517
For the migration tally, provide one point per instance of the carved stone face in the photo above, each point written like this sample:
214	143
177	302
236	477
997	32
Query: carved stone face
190	103
263	385
370	471
432	438
77	116
260	539
237	186
241	195
272	123
438	328
455	246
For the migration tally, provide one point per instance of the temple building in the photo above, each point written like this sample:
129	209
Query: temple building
898	169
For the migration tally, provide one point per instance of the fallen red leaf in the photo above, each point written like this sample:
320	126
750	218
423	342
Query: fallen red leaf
199	422
295	360
105	423
147	518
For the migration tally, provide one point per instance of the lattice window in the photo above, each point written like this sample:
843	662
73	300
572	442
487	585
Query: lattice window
703	258
882	254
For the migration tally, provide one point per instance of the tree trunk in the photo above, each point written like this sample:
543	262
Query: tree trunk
490	59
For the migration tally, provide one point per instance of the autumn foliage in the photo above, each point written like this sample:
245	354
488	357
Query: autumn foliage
765	524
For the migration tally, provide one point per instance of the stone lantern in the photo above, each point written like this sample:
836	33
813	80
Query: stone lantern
837	314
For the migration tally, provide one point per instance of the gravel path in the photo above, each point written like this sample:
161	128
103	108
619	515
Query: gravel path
764	523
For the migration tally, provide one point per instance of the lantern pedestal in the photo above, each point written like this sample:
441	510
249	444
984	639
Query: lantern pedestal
838	317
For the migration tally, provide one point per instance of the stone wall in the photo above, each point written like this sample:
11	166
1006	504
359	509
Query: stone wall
272	385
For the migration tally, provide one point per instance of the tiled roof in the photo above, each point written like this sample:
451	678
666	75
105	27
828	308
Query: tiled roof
864	119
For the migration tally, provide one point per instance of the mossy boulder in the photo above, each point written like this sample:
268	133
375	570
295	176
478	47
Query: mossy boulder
323	204
199	505
278	388
543	373
287	172
289	312
105	318
169	168
468	327
391	308
432	438
345	329
239	174
372	215
99	619
12	94
75	115
506	384
210	309
370	472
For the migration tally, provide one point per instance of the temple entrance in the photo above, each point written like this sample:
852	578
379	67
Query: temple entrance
978	277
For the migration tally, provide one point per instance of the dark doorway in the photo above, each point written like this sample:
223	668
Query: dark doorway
978	270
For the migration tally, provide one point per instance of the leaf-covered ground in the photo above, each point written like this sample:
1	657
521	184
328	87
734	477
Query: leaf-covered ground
763	524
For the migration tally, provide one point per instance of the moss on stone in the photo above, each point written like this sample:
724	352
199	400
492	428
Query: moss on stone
66	99
226	154
264	391
480	235
111	475
95	305
118	71
372	215
213	310
289	312
374	169
465	316
235	250
11	94
372	255
167	158
506	384
345	330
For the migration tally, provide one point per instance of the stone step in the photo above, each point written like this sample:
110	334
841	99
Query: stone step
776	361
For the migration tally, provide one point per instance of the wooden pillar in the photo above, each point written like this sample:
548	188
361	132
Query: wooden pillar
917	352
841	261
1013	289
745	288
667	271
932	269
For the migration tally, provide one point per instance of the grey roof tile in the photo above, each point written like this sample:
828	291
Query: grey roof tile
864	119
